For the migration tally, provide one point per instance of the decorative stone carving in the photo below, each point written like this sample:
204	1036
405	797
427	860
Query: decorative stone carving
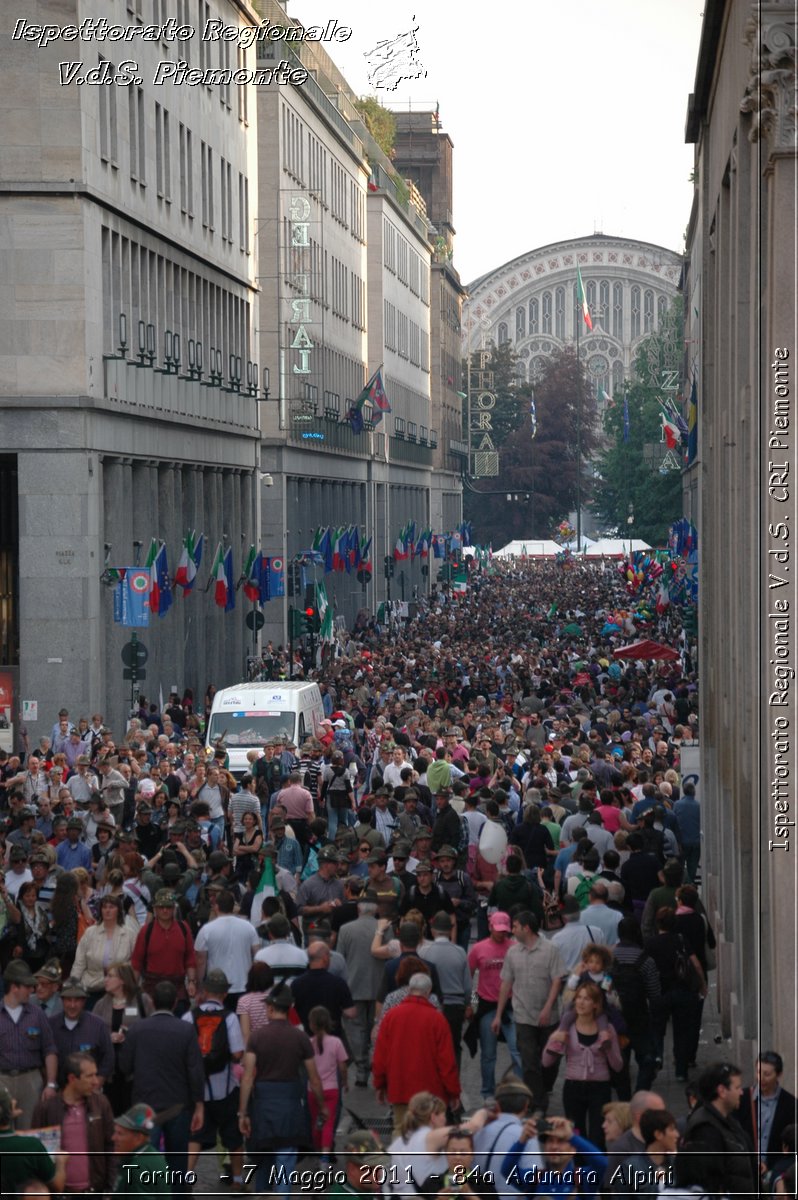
770	96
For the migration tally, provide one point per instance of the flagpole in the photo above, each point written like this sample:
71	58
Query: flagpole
578	441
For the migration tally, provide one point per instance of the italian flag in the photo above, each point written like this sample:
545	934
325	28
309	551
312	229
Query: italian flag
670	433
251	580
186	567
218	574
582	299
151	565
267	886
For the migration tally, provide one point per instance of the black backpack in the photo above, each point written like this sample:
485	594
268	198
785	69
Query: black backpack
339	789
630	987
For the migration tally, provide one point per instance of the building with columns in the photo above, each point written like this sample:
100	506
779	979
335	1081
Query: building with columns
531	303
740	492
129	309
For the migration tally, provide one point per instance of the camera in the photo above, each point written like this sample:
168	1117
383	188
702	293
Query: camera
544	1126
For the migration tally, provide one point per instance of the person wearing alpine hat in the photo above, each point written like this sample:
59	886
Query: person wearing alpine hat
144	1171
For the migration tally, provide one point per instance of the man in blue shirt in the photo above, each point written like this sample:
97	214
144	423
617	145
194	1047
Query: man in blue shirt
73	853
688	814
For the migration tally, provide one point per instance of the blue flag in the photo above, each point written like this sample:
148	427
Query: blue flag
131	598
276	577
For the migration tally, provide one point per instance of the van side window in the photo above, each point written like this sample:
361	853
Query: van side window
302	733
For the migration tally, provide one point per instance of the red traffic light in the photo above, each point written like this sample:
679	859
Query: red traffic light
310	612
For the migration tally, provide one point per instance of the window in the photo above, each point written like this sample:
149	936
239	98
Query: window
604	305
206	157
399	427
635	312
547	312
226	197
559	313
617	377
184	18
203	15
412	431
108	126
163	155
136	135
648	311
224	65
186	156
533	317
243	212
390	325
662	310
590	293
242	90
617	311
503	333
134	7
520	323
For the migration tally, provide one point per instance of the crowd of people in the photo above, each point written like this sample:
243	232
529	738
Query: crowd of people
487	841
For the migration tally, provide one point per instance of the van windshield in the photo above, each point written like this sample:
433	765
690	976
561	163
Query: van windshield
251	728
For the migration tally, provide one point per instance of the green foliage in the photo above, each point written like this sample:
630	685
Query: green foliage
541	471
625	476
402	190
380	122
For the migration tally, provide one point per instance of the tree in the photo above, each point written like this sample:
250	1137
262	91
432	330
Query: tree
541	471
380	122
625	477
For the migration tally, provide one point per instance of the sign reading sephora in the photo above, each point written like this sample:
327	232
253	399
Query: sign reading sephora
484	455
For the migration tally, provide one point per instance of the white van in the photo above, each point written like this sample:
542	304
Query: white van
248	716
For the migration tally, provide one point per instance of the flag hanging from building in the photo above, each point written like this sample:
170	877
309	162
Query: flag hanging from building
692	423
276	577
160	599
219	577
131	598
670	433
186	571
230	602
252	572
582	298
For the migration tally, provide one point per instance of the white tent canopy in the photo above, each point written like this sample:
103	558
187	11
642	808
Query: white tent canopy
529	549
616	546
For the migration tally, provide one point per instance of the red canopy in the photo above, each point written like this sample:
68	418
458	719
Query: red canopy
646	649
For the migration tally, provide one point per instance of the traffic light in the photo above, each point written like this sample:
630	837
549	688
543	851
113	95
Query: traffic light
298	622
389	566
690	621
312	619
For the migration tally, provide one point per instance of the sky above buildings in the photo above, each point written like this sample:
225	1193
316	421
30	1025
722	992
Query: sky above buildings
567	117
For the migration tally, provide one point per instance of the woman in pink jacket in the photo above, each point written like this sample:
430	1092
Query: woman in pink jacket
591	1050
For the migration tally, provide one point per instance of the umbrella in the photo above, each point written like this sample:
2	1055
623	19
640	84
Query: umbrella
610	627
646	649
573	628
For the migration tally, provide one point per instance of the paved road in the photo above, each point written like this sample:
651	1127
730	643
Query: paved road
362	1102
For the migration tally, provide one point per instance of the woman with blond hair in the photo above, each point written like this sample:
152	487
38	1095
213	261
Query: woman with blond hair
418	1151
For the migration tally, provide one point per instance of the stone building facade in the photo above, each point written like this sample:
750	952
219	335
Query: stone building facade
127	244
740	299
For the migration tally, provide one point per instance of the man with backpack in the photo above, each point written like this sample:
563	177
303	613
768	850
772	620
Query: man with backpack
164	951
221	1044
636	981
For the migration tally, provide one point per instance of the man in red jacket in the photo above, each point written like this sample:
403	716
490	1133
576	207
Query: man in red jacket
414	1053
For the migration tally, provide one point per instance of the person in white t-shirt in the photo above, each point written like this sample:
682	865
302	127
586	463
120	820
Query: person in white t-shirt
228	944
